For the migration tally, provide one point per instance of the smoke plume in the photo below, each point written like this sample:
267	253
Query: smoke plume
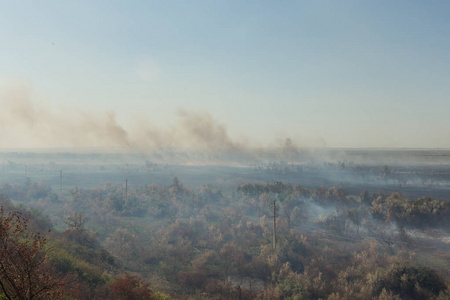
194	135
25	123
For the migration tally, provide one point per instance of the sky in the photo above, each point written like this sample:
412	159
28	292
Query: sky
335	74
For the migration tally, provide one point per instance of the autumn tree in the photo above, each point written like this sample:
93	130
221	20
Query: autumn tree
25	272
131	287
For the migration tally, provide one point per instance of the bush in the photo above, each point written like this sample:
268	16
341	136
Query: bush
411	282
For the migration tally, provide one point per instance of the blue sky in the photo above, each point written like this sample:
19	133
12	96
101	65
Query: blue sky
323	73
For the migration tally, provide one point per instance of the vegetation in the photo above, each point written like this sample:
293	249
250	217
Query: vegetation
160	242
25	272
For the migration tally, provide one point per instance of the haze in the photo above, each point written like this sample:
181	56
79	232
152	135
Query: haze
224	74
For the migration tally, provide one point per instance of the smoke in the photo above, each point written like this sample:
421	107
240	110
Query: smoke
195	137
205	132
193	130
27	123
30	121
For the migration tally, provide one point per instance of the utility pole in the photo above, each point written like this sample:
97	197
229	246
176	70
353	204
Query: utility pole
60	185
126	189
274	224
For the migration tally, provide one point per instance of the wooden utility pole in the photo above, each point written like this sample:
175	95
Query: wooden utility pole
60	185
274	225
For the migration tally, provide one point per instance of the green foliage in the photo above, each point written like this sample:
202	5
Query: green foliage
161	296
86	263
41	221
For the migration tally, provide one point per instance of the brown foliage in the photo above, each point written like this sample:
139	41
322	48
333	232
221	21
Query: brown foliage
131	287
25	272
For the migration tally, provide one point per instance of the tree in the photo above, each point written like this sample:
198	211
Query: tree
25	272
335	222
357	216
122	243
77	233
76	221
411	282
131	287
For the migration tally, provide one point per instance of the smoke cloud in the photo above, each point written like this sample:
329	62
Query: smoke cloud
30	121
193	130
26	123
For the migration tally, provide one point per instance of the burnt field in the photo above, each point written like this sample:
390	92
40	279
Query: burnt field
414	173
412	181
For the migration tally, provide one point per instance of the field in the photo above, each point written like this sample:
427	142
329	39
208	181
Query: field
348	221
414	173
